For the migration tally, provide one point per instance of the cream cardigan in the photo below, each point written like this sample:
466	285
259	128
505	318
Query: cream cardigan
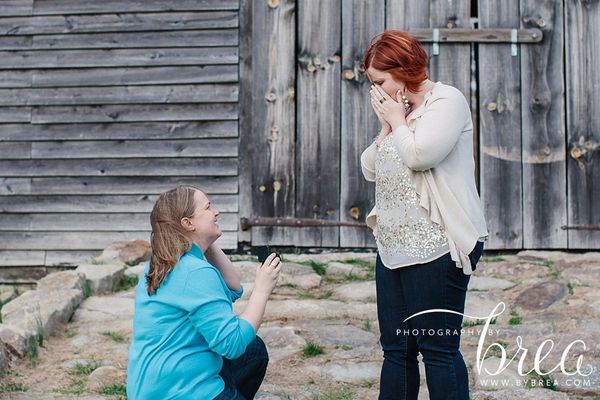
437	146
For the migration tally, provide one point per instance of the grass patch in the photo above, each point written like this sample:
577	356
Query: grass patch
367	326
117	337
290	285
536	381
515	318
39	328
1	304
126	283
113	390
84	369
319	268
492	259
494	351
33	353
345	347
336	394
16	387
76	386
87	288
467	324
360	263
312	350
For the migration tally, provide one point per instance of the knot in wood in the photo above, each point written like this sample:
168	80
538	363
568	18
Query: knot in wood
271	97
355	213
492	106
276	185
273	3
348	74
575	152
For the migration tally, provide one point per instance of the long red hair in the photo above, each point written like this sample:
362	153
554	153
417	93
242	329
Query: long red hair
400	54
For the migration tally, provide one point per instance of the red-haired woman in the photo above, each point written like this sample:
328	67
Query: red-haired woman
428	220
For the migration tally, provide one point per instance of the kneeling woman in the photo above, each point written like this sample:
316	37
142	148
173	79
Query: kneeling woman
187	341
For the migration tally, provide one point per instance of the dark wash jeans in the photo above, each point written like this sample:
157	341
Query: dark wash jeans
244	375
405	291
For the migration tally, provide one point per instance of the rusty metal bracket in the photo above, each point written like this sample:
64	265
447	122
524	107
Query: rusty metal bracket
248	223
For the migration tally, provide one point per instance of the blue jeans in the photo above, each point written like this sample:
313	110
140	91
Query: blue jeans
405	291
244	375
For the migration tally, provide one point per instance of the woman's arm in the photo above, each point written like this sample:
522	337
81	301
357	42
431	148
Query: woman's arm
437	132
216	257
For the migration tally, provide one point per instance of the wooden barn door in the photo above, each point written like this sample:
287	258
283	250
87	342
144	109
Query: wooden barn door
306	116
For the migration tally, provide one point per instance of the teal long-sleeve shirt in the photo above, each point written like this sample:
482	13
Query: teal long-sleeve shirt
182	332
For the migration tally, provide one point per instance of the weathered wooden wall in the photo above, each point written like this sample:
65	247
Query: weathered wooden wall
104	105
537	192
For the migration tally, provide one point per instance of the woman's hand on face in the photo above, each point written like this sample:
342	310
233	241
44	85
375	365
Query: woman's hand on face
267	274
385	127
389	109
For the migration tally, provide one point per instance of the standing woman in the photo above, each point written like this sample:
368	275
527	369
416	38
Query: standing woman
427	221
187	341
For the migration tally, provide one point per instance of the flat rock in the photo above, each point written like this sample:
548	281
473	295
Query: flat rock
331	256
541	295
96	308
489	283
42	309
336	334
300	276
480	305
519	394
357	291
582	275
542	255
126	252
336	268
17	340
581	385
281	341
311	309
103	277
106	376
488	379
351	372
62	280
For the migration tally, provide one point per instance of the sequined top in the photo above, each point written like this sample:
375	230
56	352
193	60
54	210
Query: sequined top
405	234
426	197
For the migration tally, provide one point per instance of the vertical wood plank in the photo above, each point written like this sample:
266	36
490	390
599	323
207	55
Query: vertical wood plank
544	171
245	117
451	66
406	15
318	129
500	127
582	29
361	21
267	144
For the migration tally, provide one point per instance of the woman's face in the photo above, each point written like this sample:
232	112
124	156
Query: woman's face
203	225
386	81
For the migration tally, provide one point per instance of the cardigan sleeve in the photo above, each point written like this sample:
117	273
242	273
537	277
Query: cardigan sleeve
367	162
437	132
211	314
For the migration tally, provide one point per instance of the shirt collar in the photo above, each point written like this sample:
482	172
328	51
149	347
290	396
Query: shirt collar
196	251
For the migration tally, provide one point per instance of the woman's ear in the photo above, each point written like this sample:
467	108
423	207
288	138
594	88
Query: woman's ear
187	224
